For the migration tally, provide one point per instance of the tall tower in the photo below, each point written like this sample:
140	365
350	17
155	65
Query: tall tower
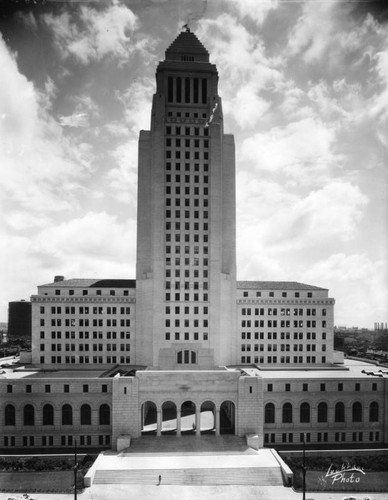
186	257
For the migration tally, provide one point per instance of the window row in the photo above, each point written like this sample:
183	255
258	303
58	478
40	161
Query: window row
13	441
186	310
247	323
323	437
86	335
186	297
85	359
48	415
282	347
85	347
281	359
95	291
188	166
85	310
322	387
178	130
187	226
187	143
196	155
86	322
283	335
185	336
66	388
309	295
274	311
287	412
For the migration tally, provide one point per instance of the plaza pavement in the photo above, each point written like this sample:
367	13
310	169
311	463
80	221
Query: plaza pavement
146	492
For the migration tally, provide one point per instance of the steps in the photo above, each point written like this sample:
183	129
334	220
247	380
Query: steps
263	476
187	460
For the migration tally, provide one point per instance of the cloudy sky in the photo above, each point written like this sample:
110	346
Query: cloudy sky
305	92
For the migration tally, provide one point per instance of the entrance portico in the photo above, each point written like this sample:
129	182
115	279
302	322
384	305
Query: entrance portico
188	417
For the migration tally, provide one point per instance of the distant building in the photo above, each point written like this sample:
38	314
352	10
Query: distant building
381	326
19	320
186	348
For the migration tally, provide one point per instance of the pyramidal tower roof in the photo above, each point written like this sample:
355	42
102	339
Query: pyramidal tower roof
187	47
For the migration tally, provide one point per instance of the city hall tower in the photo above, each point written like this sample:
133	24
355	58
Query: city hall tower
186	243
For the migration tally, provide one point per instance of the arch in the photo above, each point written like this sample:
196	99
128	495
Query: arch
208	417
104	414
169	416
188	417
67	415
287	413
48	414
357	412
148	418
227	417
28	415
9	415
304	413
86	414
322	412
374	411
269	413
339	412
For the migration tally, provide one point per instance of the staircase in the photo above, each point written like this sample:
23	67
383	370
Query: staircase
187	460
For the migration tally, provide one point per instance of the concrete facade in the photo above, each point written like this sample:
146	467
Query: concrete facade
185	348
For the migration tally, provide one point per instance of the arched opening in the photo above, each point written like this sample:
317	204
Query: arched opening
48	415
86	415
322	412
148	418
227	418
287	413
304	413
168	418
28	415
67	415
339	412
269	413
9	415
357	412
374	412
188	422
208	417
104	414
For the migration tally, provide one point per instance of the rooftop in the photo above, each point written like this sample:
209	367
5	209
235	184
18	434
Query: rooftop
276	285
187	44
93	283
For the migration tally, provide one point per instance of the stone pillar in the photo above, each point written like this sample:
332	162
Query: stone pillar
158	422
197	421
217	422
178	421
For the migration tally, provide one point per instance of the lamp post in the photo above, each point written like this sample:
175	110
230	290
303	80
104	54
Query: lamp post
75	469
304	467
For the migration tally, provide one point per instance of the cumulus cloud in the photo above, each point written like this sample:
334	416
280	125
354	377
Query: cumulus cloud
300	150
359	281
96	33
240	54
41	168
273	219
257	11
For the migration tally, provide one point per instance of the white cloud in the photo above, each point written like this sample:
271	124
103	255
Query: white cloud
253	9
300	150
359	285
272	220
240	56
97	33
41	168
122	179
75	120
